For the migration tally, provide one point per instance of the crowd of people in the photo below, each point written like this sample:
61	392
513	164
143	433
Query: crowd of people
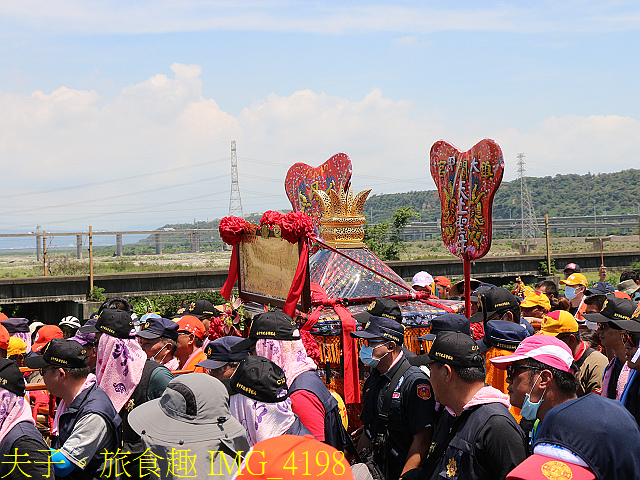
534	385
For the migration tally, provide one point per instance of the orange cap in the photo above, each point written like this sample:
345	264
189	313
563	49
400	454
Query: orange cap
444	281
288	457
4	338
558	321
45	335
192	324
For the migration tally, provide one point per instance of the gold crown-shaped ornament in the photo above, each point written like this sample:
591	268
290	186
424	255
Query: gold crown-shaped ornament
342	221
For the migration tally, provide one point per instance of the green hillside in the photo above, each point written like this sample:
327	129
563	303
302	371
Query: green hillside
559	196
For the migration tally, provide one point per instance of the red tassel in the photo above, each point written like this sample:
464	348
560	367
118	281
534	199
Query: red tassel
351	376
233	275
298	281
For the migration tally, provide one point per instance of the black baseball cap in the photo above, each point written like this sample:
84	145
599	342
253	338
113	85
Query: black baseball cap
259	378
380	307
59	352
219	352
382	327
449	322
199	308
111	321
572	267
10	377
16	325
453	348
502	334
158	327
481	290
615	310
274	325
494	300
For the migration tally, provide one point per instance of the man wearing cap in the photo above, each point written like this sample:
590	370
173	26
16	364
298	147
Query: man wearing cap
383	307
19	438
423	282
125	373
221	362
570	269
591	363
476	436
276	337
534	306
443	286
497	303
158	338
616	373
574	291
412	409
192	416
189	350
19	327
87	423
631	337
260	401
90	344
500	338
45	335
631	288
541	375
203	310
448	322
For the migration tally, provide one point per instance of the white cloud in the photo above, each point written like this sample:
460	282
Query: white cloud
54	142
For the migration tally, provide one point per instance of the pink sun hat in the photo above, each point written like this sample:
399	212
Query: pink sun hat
546	349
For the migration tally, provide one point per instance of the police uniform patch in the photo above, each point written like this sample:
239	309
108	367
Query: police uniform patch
424	391
452	468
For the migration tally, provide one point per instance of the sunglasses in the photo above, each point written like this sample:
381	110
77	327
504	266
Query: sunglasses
511	369
632	339
374	343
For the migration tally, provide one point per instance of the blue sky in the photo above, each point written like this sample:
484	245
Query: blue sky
121	114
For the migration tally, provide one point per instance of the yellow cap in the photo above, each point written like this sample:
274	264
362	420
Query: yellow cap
558	321
575	279
536	299
16	346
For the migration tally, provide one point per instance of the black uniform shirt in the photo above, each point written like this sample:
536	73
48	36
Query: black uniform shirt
412	409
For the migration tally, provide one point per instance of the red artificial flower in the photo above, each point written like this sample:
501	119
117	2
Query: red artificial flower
311	346
232	228
295	225
216	329
271	217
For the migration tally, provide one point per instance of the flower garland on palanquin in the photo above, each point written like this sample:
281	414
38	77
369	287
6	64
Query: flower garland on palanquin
293	227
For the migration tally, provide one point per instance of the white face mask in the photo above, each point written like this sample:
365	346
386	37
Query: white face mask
529	409
158	352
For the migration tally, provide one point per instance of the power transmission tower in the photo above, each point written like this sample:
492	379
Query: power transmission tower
527	213
235	202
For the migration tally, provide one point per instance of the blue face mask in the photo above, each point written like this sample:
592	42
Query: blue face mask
366	355
529	409
570	293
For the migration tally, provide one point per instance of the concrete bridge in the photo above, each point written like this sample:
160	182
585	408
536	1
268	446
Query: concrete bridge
51	298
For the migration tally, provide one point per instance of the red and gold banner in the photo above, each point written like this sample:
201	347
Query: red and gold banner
467	182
